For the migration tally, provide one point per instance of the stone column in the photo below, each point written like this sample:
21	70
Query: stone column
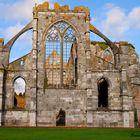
1	94
134	76
1	80
127	104
89	86
124	56
33	101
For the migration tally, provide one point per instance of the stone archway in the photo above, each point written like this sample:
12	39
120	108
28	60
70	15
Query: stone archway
61	118
103	93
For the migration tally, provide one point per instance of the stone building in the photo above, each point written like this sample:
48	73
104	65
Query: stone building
67	79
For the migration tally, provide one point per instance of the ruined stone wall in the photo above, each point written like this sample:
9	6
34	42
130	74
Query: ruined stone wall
74	113
129	61
113	78
120	94
17	118
1	80
81	106
1	94
100	117
77	20
133	72
11	114
117	102
73	102
80	103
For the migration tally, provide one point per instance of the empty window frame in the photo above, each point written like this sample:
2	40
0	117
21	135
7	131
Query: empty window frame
19	92
102	93
61	56
107	55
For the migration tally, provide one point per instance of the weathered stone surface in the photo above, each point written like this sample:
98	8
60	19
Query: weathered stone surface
20	118
93	71
0	118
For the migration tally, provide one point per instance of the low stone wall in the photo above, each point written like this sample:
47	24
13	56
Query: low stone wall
107	119
16	118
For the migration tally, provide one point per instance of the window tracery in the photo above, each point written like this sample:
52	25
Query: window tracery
59	55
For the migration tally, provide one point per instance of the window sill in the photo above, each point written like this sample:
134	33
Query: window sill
103	109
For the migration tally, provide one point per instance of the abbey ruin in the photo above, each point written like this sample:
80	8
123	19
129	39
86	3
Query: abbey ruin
67	79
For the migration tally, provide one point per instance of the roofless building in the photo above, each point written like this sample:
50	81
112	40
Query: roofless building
67	79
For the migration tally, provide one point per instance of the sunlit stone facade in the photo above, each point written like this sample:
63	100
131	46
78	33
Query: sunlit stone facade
67	79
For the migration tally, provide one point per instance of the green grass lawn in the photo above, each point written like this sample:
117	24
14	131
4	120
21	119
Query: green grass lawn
69	134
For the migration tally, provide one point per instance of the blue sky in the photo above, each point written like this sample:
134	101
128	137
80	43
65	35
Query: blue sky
117	19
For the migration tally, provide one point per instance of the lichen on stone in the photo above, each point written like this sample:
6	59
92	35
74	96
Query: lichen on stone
102	45
130	46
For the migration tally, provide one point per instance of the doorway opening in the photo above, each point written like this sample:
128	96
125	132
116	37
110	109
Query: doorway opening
60	118
102	93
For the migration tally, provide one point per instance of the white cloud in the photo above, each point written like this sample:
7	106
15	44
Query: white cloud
117	22
25	39
134	18
23	44
11	31
1	29
92	20
18	10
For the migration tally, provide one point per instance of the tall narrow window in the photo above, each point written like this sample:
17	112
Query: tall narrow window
19	93
102	93
53	57
61	53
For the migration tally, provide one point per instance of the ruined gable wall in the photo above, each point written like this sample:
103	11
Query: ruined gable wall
73	102
50	101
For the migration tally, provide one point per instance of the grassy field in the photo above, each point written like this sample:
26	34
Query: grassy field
69	134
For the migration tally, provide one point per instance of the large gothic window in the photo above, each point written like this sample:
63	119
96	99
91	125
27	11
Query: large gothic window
61	56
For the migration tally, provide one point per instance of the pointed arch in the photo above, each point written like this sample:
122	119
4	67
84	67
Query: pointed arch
108	55
19	85
19	92
78	38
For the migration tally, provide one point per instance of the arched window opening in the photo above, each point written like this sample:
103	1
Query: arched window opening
60	118
107	55
108	59
21	47
102	93
19	92
61	56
